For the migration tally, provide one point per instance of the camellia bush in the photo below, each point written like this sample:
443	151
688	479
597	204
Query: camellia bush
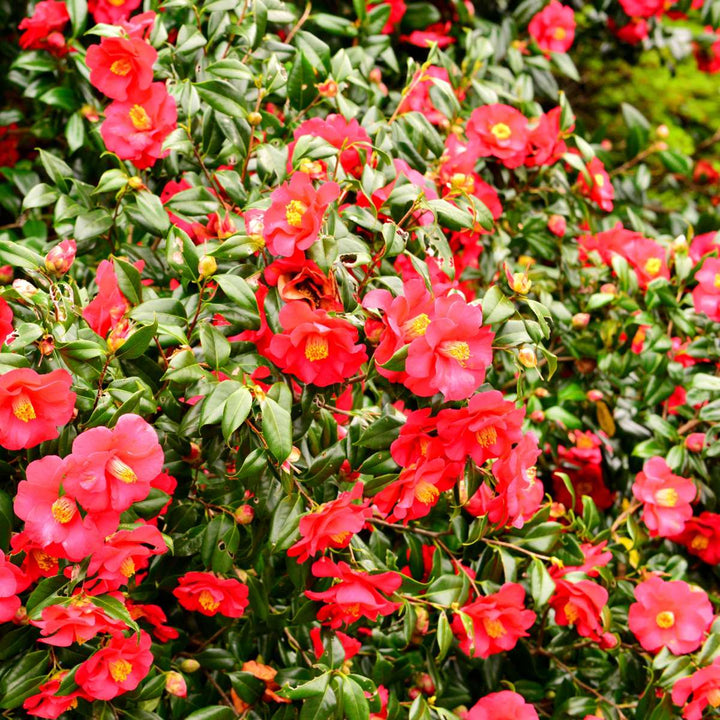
359	360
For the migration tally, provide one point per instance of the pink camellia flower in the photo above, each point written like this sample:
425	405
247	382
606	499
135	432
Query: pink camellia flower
140	25
546	143
12	582
121	67
486	428
112	469
60	259
117	668
557	225
46	704
666	498
453	354
6	320
643	8
704	686
77	622
52	517
135	129
356	595
124	553
43	31
332	525
499	131
600	188
105	311
315	347
504	705
112	12
294	219
647	258
553	28
706	296
499	620
704	244
210	595
669	614
701	537
33	406
419	100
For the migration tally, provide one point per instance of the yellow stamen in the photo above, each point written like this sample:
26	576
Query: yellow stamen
139	118
699	542
666	497
120	470
353	610
117	3
120	669
559	33
23	409
713	697
531	474
487	436
571	613
717	281
653	265
501	131
207	601
127	567
494	628
63	510
460	182
316	348
294	212
457	350
417	326
599	180
121	67
426	492
44	561
340	537
665	619
584	442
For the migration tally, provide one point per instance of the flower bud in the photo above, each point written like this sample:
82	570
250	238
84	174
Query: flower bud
541	392
606	144
580	320
90	113
6	274
376	75
680	245
661	146
328	89
59	260
557	225
527	357
175	683
207	266
254	118
521	283
695	442
422	621
244	515
662	131
189	665
537	416
594	395
136	183
24	288
608	289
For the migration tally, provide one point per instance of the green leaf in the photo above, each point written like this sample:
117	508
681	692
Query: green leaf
355	705
496	306
444	636
128	277
138	342
23	679
277	429
18	255
542	586
216	712
301	82
220	543
237	408
77	9
151	213
223	97
92	224
313	688
214	344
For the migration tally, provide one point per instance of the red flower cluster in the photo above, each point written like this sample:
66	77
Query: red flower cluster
209	594
43	31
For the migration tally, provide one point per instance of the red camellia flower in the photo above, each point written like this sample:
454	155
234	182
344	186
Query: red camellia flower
332	525
499	131
486	428
701	537
298	278
52	518
135	129
209	594
12	582
546	144
418	99
581	604
704	686
6	320
112	12
105	311
706	296
504	705
553	28
46	704
294	219
33	406
43	31
666	498
669	614
76	622
499	621
155	617
118	667
316	347
453	352
643	8
600	189
121	67
356	595
110	469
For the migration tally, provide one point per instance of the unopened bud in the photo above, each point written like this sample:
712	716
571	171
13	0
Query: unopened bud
207	266
60	259
695	442
537	416
557	225
662	131
680	245
376	76
594	395
190	665
328	89
527	357
580	320
422	621
541	392
244	515
254	118
175	683
608	289
136	183
521	283
6	274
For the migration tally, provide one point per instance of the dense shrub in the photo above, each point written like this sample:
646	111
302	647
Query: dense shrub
359	361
